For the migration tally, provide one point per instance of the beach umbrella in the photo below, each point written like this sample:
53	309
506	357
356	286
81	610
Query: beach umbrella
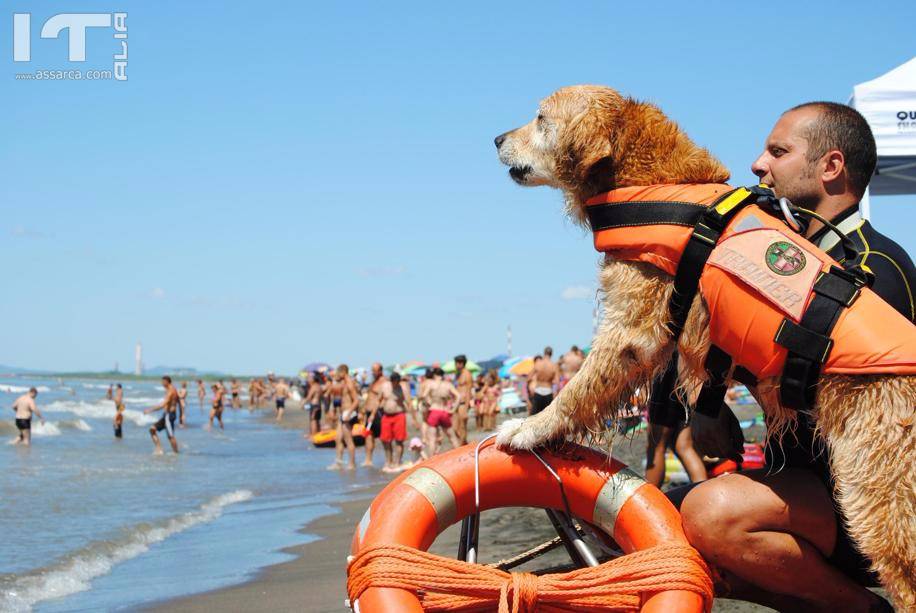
524	367
472	366
316	367
508	364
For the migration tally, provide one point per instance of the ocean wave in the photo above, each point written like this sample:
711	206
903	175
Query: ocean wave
74	573
102	409
20	389
49	428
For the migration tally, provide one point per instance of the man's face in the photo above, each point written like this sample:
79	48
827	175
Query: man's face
165	384
784	166
377	371
33	394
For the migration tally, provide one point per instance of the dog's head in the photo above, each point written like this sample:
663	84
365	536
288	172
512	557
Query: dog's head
569	135
588	139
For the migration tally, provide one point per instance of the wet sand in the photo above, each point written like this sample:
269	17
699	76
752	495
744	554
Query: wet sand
315	580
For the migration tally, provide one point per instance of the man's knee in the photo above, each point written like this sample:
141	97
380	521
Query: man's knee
713	515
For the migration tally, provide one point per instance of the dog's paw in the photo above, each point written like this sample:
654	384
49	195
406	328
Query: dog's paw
519	434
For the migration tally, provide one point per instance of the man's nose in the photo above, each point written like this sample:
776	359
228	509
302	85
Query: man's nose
499	140
759	168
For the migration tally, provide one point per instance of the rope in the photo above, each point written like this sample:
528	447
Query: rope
527	556
445	584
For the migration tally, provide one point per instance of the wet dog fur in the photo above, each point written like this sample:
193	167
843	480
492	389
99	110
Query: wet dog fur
586	140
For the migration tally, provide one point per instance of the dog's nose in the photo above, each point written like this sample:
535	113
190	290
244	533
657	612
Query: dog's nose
500	139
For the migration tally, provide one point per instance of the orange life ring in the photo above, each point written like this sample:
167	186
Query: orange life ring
414	508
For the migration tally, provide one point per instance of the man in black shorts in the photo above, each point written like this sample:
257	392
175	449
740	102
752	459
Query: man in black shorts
776	535
169	405
24	406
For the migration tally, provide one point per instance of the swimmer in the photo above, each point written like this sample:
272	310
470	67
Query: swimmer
119	410
201	394
217	410
108	393
313	403
182	402
24	407
236	389
281	393
169	406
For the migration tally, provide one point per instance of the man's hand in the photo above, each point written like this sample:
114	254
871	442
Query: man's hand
717	438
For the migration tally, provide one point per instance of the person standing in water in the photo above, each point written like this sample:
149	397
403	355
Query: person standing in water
201	394
349	415
108	393
169	406
236	389
182	403
281	393
24	407
119	410
217	410
313	403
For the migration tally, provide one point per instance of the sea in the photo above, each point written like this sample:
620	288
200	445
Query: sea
91	522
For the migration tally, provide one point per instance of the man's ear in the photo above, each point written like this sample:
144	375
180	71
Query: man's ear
833	164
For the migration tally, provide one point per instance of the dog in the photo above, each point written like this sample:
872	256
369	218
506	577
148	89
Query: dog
587	140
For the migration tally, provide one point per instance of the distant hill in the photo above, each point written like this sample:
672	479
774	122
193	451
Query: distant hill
15	370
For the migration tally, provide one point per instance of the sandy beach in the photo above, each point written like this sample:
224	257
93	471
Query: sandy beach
315	580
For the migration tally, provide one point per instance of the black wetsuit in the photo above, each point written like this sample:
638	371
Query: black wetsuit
895	282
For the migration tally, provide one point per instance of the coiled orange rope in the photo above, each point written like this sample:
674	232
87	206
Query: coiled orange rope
444	584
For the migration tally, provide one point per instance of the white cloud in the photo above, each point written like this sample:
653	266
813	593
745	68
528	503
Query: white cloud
577	292
157	292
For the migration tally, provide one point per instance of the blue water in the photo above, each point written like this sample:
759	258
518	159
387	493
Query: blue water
91	522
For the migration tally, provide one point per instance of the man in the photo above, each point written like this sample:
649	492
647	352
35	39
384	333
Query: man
349	415
281	393
119	411
570	363
775	534
395	402
464	383
24	407
236	398
371	411
182	403
201	393
544	377
169	406
313	403
216	411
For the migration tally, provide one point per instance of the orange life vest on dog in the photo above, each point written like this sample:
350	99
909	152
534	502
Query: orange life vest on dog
759	275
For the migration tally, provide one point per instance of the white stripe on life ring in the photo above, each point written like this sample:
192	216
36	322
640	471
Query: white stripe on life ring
438	492
616	491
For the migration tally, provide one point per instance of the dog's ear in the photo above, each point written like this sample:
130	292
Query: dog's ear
585	150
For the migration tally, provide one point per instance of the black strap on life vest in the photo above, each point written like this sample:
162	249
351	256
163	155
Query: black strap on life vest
808	341
708	224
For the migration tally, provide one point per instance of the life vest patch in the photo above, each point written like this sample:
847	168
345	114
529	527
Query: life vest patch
767	260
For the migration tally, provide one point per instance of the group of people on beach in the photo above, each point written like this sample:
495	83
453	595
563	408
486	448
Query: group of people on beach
438	406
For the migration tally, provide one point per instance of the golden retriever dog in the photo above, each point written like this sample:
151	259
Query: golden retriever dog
586	140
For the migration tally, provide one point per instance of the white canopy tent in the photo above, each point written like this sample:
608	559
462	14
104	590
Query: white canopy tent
888	103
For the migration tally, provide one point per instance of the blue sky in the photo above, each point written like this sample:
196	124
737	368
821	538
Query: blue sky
284	182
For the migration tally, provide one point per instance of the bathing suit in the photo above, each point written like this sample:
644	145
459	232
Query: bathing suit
167	423
24	424
439	417
349	418
541	399
336	403
314	411
281	403
376	426
117	430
